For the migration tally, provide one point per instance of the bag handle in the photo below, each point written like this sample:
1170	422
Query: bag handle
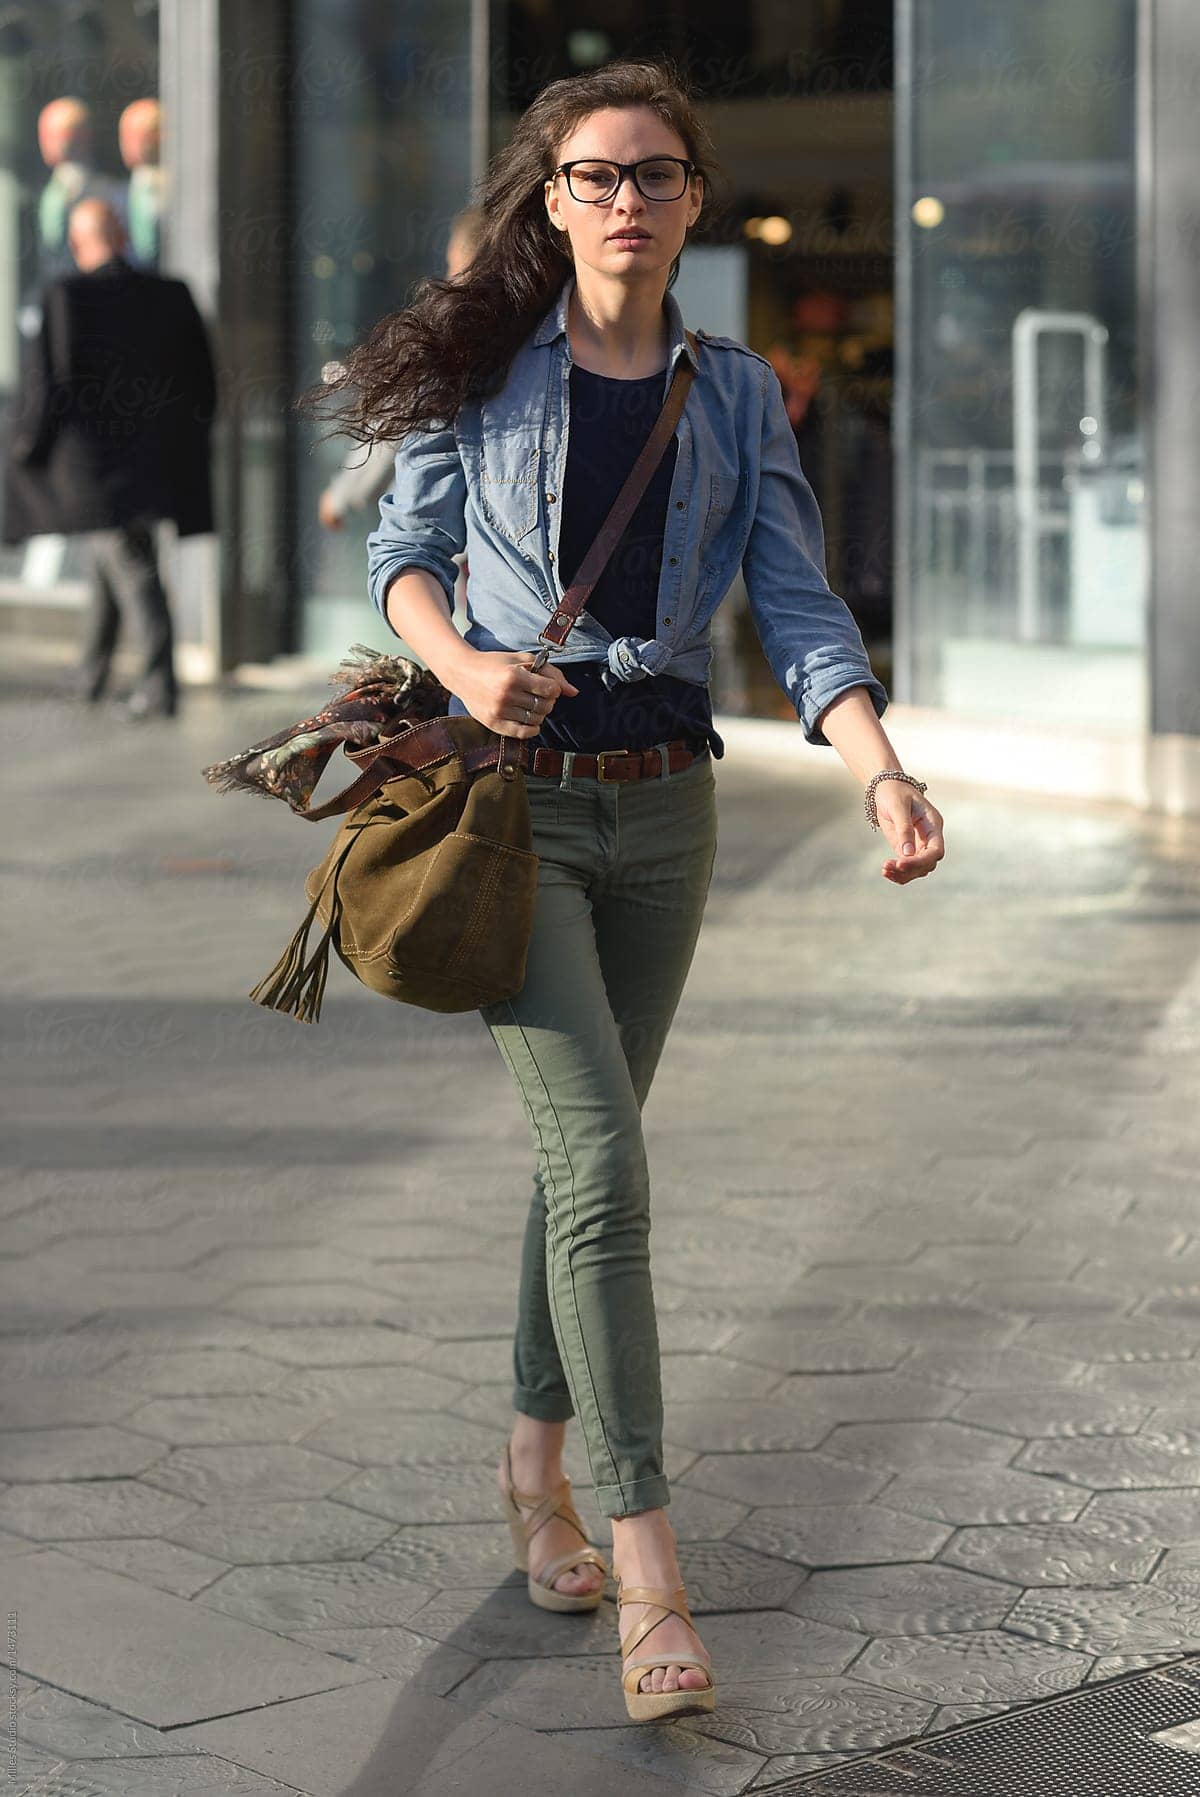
377	758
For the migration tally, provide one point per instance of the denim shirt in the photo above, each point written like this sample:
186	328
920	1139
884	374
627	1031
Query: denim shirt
491	483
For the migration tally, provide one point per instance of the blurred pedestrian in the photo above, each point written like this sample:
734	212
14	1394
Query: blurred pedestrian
110	435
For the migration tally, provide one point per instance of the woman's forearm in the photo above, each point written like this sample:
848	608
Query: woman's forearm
854	730
416	609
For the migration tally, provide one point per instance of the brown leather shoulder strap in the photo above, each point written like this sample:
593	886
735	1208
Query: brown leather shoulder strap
624	505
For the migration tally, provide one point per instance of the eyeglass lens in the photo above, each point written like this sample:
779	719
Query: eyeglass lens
655	180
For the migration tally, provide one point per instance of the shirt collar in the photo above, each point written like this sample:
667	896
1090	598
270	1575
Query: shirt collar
554	325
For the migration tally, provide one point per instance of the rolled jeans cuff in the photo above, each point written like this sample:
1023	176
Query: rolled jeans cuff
651	1493
543	1406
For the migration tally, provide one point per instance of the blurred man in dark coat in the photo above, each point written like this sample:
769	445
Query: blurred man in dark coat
111	434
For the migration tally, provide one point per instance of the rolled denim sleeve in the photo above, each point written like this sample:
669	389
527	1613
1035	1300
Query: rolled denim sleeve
809	635
422	516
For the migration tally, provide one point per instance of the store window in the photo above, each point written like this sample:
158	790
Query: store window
381	163
79	116
1020	439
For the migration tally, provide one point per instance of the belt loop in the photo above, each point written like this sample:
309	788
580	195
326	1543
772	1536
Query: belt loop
664	761
564	783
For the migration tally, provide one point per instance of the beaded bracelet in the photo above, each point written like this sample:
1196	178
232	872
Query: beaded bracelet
886	773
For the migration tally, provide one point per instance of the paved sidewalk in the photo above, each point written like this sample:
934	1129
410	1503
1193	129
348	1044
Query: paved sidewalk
926	1250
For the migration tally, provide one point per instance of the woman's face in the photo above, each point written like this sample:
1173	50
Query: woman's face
623	134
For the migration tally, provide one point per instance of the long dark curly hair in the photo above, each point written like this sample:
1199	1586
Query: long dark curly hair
456	339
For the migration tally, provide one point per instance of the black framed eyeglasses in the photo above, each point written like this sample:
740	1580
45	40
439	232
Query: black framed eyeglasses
655	177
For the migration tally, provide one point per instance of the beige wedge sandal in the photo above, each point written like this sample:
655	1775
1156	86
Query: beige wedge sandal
645	1706
522	1528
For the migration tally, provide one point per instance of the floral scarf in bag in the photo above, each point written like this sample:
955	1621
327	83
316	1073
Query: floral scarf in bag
378	693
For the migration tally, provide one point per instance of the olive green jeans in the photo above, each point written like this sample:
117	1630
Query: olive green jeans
623	876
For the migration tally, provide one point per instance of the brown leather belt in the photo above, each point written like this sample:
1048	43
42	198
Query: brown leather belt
614	764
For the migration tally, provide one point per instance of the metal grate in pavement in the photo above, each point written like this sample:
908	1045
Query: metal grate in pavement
1096	1742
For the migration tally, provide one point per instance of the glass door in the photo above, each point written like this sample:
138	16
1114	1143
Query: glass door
1019	427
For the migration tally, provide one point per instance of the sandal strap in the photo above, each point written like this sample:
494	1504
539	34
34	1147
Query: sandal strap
660	1597
637	1669
586	1556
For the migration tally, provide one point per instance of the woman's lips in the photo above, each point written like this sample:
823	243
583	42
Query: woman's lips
631	243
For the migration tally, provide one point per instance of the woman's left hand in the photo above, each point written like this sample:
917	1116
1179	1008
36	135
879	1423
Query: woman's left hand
913	827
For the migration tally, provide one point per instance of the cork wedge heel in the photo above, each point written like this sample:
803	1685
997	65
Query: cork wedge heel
523	1528
647	1706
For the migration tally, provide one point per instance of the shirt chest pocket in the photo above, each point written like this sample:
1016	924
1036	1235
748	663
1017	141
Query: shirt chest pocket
509	470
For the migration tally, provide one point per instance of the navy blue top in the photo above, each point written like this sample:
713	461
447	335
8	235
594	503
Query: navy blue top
610	421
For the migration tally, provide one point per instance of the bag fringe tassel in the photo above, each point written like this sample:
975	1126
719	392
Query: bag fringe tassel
294	986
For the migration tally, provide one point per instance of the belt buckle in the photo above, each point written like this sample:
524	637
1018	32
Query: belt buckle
602	756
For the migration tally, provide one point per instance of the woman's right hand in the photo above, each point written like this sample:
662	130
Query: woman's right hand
500	689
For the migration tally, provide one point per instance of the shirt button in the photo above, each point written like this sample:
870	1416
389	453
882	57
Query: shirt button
673	560
666	620
552	555
680	504
550	498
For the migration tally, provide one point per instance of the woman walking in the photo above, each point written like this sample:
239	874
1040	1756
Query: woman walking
519	398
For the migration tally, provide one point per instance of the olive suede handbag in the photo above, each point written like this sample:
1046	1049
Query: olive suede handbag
427	892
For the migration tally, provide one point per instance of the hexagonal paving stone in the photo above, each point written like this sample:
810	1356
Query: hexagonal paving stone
379	1437
159	1563
447	1320
212	1422
688	1378
803	1478
980	1666
1115	1665
333	1301
769	1644
1053	1298
502	1624
1180	1572
252	1534
47	1402
720	1576
1138	1379
898	1446
979	1369
922	1321
866	1398
407	1494
1119	1462
953	1494
810	1715
329	1594
447	1554
1112	1340
104	1452
727	1426
1153	1518
903	1600
276	1470
343	1344
840	1534
196	1373
85	1507
395	1653
569	1691
1085	1552
1066	1413
695	1515
332	1390
71	1728
803	1350
695	1763
153	1775
1133	1619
